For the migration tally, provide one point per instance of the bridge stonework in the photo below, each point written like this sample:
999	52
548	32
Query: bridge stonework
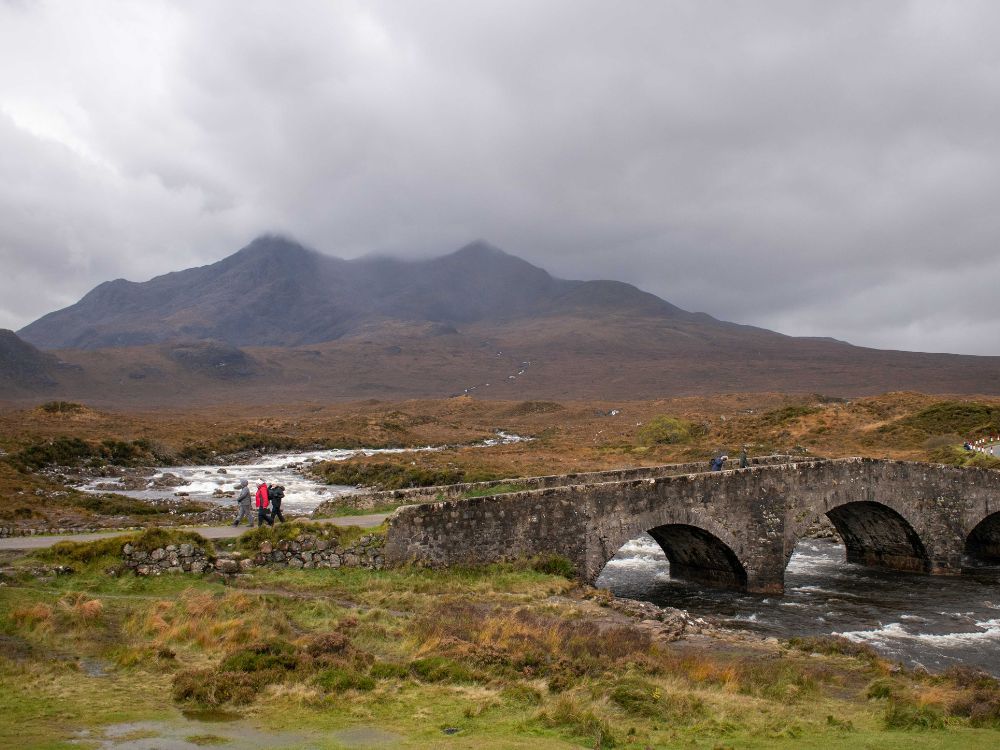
735	528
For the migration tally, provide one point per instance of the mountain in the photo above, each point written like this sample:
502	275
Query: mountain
26	369
275	292
279	322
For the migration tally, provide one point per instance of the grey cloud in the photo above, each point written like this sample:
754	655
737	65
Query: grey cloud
820	168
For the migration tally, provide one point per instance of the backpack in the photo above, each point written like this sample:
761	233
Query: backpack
276	493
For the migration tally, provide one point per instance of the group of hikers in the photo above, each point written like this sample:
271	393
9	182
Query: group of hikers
267	499
719	462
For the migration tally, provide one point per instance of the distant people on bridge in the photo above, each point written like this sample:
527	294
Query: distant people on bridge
276	494
744	461
719	462
263	501
243	504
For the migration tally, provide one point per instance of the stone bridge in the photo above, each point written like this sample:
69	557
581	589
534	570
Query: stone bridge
734	528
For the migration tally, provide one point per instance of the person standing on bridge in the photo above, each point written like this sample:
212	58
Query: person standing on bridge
262	500
243	504
718	464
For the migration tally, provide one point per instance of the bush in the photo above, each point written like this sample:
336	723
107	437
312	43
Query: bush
582	722
883	688
387	670
834	645
554	565
905	715
664	430
270	655
339	679
208	687
440	669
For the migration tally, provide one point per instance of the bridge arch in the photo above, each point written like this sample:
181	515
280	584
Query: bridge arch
697	547
983	542
875	533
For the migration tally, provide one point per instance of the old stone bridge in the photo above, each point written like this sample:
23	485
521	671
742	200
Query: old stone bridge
734	528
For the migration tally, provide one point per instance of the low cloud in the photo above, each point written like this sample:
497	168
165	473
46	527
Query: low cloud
817	168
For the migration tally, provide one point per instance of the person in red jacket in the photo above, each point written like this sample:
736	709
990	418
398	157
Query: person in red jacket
262	501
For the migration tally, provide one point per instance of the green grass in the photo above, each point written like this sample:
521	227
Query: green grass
497	489
507	655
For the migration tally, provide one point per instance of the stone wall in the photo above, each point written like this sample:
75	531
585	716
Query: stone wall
305	551
440	493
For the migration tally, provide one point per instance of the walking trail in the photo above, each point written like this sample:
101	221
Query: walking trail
209	532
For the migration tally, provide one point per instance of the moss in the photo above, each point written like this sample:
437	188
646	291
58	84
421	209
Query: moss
440	669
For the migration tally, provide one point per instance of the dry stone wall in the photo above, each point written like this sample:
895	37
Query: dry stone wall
305	552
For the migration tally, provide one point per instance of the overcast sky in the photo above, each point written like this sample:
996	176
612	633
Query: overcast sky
818	168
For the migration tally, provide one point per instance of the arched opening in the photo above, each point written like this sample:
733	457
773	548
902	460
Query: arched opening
696	555
878	536
984	541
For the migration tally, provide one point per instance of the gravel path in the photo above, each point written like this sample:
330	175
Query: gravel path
209	532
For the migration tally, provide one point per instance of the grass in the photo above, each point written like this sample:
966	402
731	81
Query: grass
497	489
388	475
507	656
251	540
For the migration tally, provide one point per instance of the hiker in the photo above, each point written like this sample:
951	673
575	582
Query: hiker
275	494
744	461
243	504
719	463
262	500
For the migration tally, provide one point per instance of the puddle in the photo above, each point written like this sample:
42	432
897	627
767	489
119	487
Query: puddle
210	714
187	734
366	737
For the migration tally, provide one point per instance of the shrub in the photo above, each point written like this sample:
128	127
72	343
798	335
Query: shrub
554	565
275	654
440	669
326	644
207	687
582	722
834	645
882	688
905	715
387	670
664	430
339	679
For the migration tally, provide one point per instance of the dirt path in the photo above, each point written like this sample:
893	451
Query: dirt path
209	532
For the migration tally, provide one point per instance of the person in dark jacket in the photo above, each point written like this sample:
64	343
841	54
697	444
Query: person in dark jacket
275	494
718	464
263	501
243	504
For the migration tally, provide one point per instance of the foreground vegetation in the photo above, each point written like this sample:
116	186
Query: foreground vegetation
500	657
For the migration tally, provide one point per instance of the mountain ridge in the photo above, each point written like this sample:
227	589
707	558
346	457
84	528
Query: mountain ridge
275	291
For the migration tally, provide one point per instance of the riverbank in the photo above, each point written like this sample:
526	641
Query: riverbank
499	657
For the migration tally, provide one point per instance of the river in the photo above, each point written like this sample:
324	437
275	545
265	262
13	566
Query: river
303	491
925	621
